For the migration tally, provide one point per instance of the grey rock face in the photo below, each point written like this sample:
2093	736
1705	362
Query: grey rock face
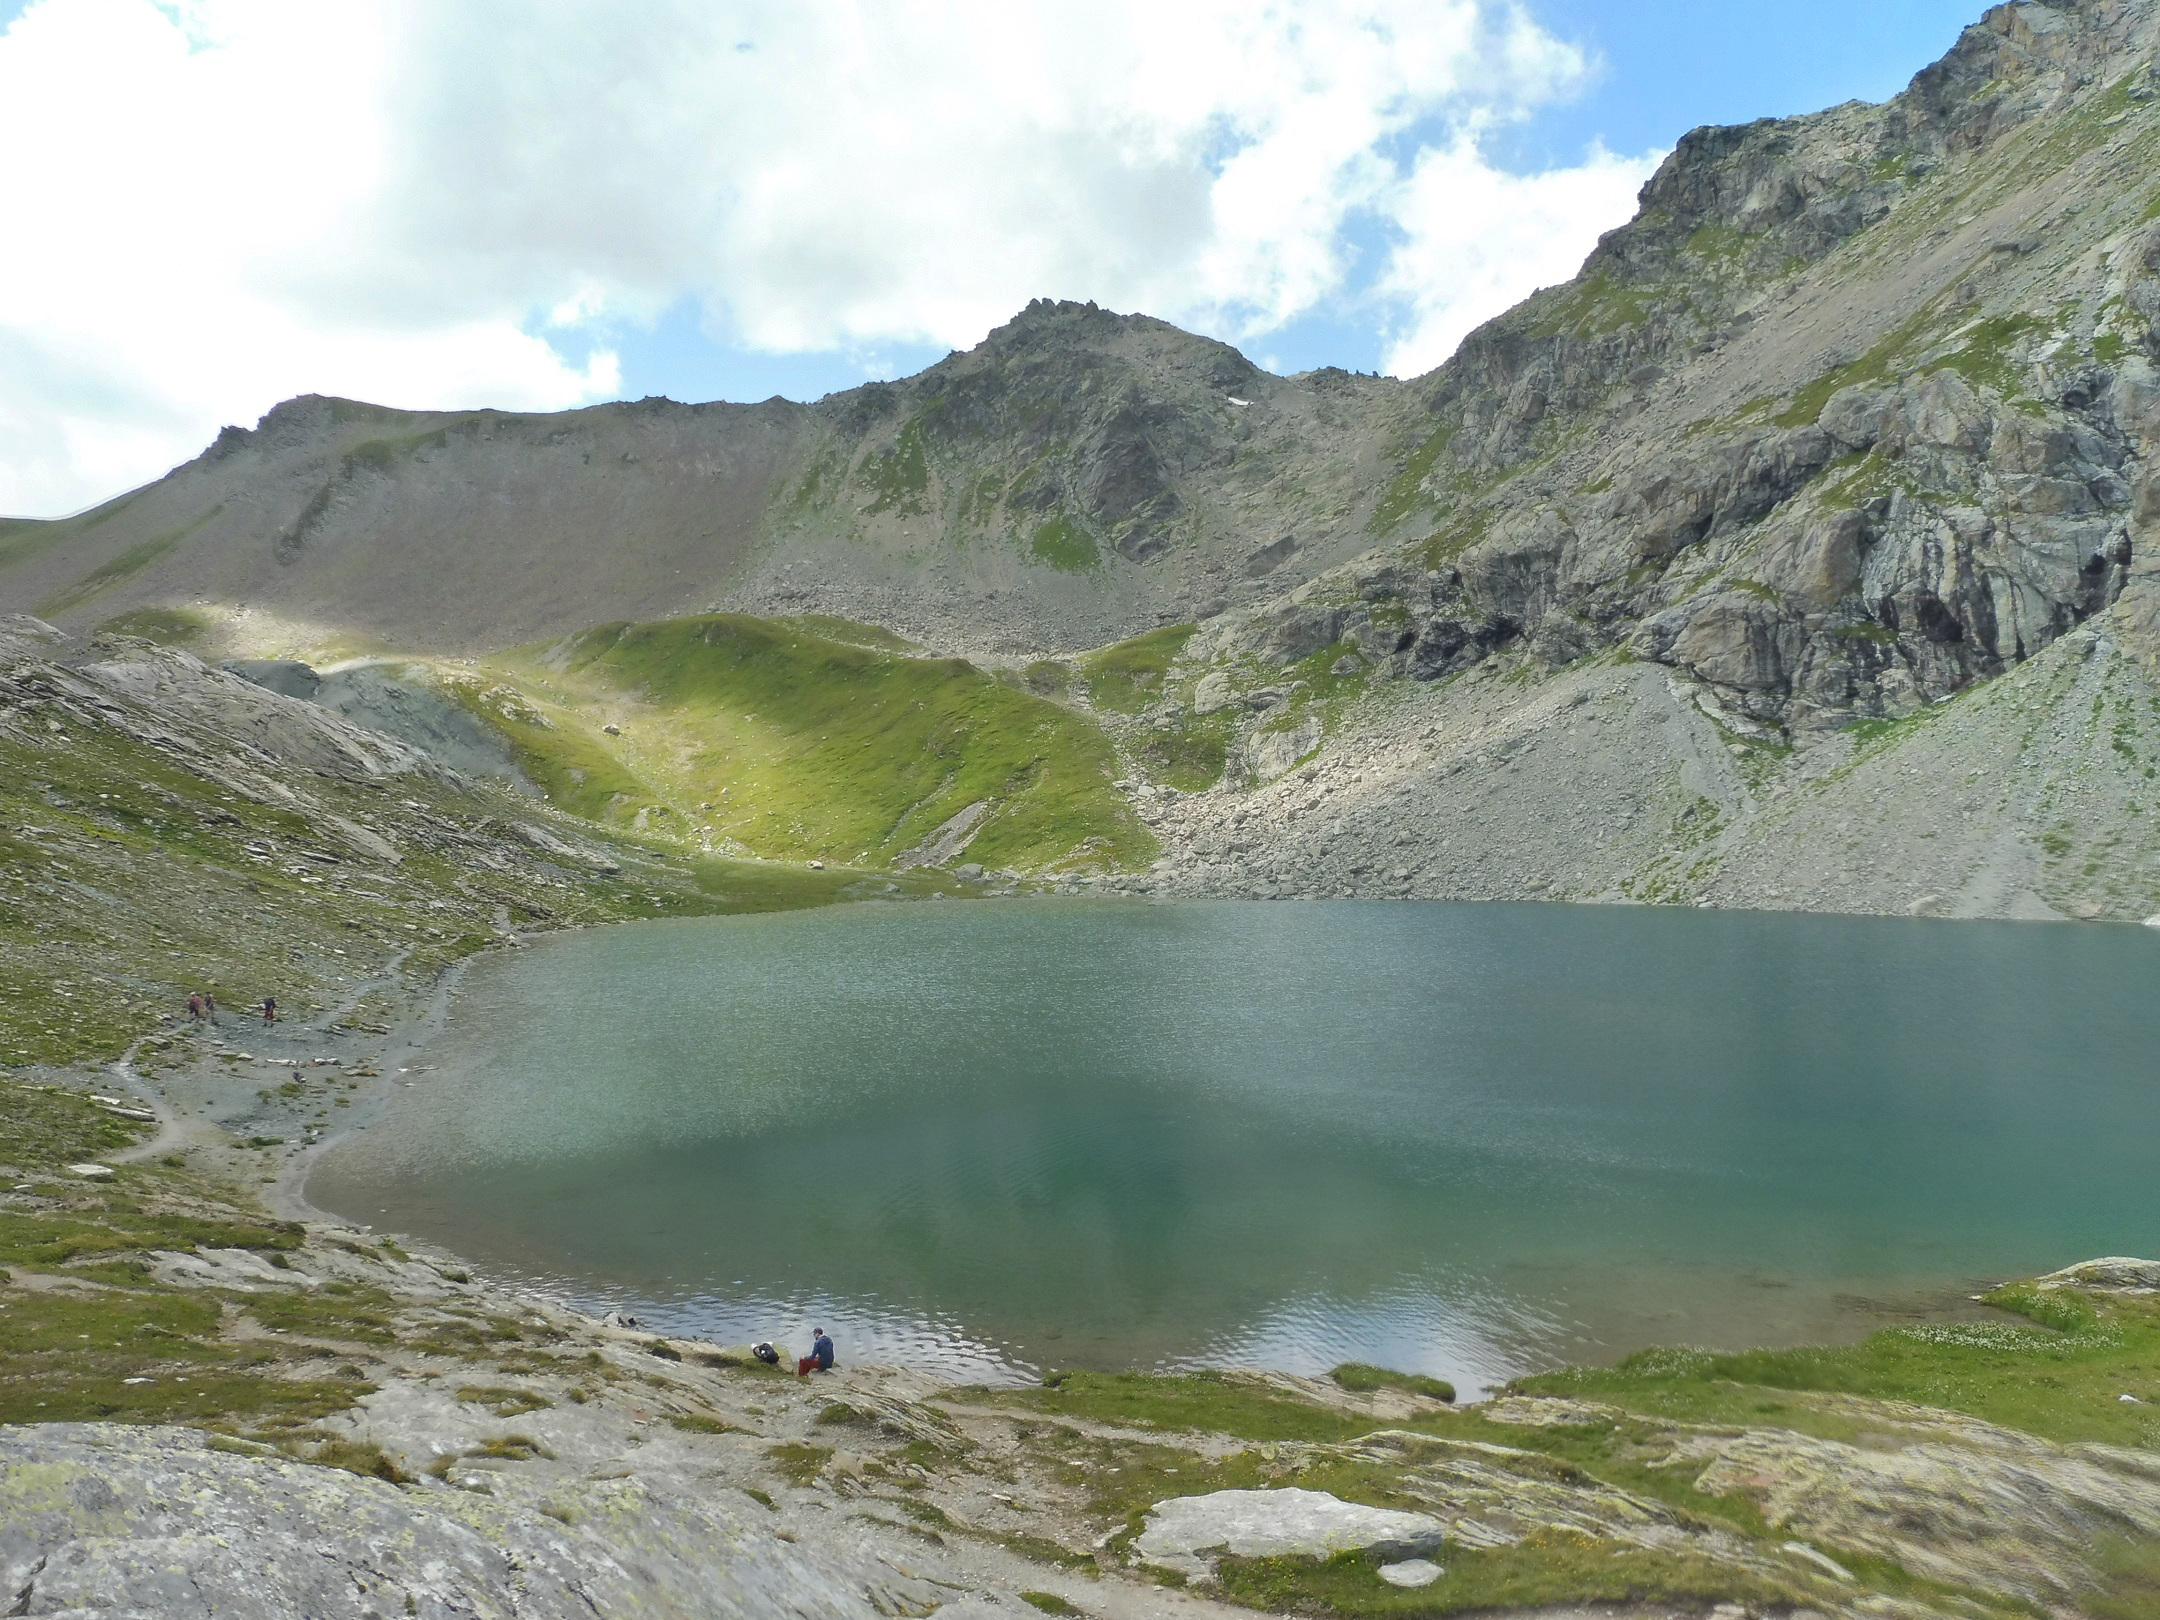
1268	754
2115	1271
121	1519
1285	1523
284	675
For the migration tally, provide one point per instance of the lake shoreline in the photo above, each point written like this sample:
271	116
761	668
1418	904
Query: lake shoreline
1886	1296
588	1448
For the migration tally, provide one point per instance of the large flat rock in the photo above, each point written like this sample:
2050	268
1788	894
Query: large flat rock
150	1521
1286	1523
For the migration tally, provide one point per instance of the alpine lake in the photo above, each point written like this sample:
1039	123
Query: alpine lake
990	1138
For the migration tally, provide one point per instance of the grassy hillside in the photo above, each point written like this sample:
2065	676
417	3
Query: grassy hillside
772	739
145	856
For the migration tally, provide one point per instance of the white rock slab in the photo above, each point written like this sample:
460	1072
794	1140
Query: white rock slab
239	1269
1285	1523
1411	1572
91	1172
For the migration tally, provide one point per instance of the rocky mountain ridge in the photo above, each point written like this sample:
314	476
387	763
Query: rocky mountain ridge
1857	417
1077	476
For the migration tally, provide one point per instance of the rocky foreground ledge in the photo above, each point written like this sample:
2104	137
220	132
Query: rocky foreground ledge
209	1413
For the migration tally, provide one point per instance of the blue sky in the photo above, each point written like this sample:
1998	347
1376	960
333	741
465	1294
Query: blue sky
456	203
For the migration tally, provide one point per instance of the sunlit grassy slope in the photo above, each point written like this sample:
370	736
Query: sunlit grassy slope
775	739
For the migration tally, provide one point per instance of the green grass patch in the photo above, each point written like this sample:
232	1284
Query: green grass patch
1361	1378
1048	677
362	1457
1986	358
24	538
1405	492
1214	1402
1444	545
1875	366
86	1334
342	1312
503	1401
1189	754
798	1464
2062	1386
702	1423
1065	545
1128	676
1599	306
42	1130
898	476
167	626
1048	1602
1549	1568
2129	1581
850	631
794	746
510	1448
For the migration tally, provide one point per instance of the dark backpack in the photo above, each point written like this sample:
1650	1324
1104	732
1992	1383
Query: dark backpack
766	1353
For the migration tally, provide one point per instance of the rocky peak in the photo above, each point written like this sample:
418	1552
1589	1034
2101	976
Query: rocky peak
1855	413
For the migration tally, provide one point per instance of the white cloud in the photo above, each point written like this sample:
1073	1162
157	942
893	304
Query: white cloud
231	201
1477	240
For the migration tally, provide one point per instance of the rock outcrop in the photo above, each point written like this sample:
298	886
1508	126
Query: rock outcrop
117	1517
1285	1523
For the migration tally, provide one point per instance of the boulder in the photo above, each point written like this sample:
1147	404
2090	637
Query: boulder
1816	562
1411	1572
1287	1523
1853	417
2114	1271
1268	754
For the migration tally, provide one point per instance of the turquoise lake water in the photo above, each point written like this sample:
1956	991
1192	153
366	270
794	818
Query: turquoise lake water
1452	1138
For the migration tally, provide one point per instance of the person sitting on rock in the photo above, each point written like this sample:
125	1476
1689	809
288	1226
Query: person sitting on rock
820	1356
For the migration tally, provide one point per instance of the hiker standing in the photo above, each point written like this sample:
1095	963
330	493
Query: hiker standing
195	1008
269	1009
